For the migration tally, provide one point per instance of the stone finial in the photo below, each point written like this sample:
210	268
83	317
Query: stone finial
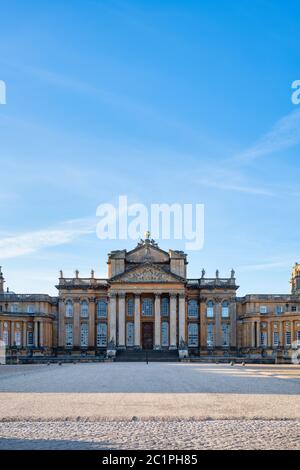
76	273
203	273
1	281
147	235
217	274
92	274
232	273
61	274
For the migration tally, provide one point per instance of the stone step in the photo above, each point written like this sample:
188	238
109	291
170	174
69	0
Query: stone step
142	356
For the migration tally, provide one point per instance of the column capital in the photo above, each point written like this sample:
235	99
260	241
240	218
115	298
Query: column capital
111	295
122	294
173	294
182	295
157	294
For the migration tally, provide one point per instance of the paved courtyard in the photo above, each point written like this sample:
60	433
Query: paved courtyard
159	405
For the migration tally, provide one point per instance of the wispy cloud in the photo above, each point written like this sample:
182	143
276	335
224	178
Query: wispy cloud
30	242
227	179
264	266
284	134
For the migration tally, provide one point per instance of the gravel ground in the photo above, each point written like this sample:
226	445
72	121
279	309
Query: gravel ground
155	434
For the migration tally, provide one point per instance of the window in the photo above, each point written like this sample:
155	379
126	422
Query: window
193	340
210	336
275	338
294	308
298	338
225	335
102	309
279	309
225	309
263	339
69	309
130	334
29	338
5	337
165	333
147	307
192	309
165	306
84	308
84	335
102	335
130	307
263	309
30	309
69	335
18	338
288	338
210	309
14	308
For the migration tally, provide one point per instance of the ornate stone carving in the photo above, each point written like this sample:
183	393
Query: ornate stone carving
147	274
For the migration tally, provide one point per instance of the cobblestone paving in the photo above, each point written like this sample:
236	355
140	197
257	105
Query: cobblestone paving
155	434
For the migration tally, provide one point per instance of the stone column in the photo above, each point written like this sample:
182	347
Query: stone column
91	323
41	333
24	340
112	319
269	330
36	334
137	321
173	321
121	321
61	323
76	323
280	334
182	325
233	324
218	329
293	339
157	323
257	334
12	333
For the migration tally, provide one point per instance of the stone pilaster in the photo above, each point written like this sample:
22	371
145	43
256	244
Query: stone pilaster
137	320
258	334
12	333
112	317
157	323
182	323
121	320
270	339
61	323
173	321
41	333
91	323
218	329
36	333
24	340
233	324
76	323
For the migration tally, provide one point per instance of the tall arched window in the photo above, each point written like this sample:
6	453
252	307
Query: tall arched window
165	306
210	309
192	309
84	308
69	308
130	307
101	335
225	309
102	309
147	307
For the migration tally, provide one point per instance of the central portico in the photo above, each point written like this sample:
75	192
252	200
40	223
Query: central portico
147	297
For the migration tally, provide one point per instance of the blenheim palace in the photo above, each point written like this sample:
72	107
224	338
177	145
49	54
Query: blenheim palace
148	303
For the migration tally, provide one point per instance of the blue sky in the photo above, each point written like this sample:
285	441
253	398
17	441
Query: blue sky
165	102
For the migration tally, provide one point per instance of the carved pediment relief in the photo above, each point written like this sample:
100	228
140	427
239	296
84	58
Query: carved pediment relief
148	273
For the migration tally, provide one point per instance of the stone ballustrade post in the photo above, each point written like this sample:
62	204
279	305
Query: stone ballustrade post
157	323
137	321
173	321
182	325
121	320
112	317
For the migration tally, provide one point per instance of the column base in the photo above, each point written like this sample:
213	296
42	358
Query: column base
157	348
172	348
121	348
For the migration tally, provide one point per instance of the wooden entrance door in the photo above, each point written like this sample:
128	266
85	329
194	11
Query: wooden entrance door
147	335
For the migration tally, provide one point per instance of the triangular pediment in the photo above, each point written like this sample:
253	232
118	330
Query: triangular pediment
147	253
147	273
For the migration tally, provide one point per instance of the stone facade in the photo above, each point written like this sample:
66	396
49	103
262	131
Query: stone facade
147	302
